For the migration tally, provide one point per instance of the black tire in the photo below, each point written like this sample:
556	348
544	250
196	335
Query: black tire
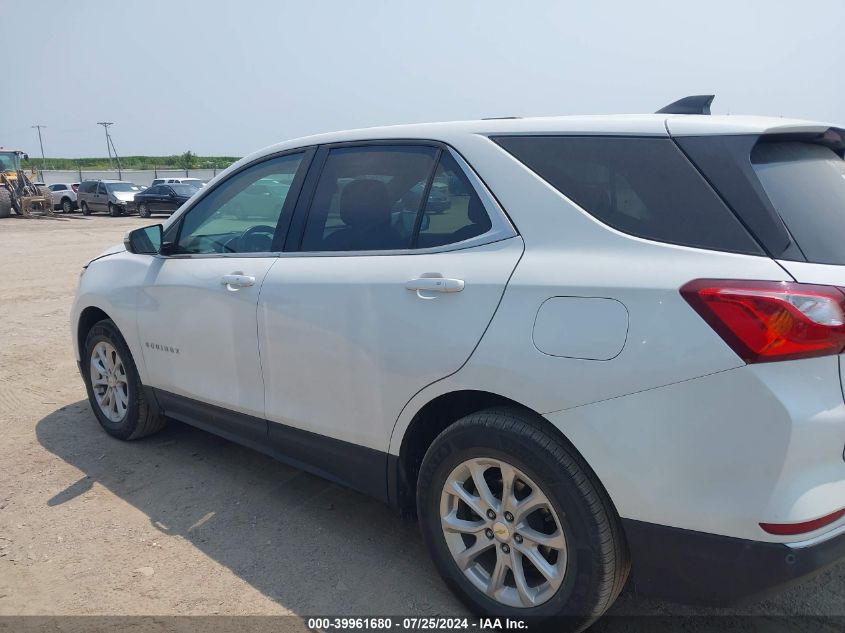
114	210
141	419
67	205
84	208
594	578
5	202
144	210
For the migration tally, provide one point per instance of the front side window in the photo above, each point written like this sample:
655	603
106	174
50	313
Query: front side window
101	188
242	213
364	200
640	186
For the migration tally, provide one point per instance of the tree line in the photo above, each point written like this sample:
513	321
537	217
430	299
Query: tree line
188	160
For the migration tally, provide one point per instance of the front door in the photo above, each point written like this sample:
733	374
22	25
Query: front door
197	315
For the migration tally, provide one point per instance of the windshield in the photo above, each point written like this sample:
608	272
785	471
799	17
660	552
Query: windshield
184	189
122	186
8	162
806	184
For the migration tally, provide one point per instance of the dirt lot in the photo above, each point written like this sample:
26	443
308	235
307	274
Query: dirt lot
184	522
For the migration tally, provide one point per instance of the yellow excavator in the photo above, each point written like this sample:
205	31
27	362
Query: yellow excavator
17	193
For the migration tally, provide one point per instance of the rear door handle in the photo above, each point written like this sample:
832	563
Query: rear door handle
434	284
236	281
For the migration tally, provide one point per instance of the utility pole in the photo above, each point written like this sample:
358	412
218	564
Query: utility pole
106	125
41	143
117	158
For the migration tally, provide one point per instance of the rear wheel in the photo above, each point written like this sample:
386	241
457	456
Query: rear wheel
517	524
114	387
144	210
84	208
5	202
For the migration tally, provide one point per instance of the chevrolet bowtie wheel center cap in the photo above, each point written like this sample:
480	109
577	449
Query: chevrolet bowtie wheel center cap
501	531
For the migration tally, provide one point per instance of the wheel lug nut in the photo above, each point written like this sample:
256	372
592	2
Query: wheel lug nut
517	538
488	533
508	516
506	548
491	515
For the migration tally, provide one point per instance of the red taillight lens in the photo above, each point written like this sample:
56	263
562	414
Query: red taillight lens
771	320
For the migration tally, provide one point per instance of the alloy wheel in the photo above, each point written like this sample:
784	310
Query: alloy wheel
109	381
503	532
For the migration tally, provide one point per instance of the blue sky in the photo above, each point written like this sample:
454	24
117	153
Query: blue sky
230	77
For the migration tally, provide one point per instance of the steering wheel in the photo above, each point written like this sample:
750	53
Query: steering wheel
252	232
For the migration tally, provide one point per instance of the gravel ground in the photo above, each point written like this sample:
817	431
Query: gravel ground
185	522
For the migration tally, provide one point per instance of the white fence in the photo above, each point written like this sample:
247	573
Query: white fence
138	176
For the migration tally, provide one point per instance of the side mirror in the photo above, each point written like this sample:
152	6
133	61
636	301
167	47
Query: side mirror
171	195
26	156
144	241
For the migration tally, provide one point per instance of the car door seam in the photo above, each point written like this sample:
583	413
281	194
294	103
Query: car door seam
469	356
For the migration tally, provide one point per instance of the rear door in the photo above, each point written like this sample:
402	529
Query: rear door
385	288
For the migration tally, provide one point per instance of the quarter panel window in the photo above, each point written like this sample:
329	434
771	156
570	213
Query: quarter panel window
364	198
240	215
641	186
453	211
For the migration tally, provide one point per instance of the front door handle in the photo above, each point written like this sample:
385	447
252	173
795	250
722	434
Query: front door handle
236	281
434	284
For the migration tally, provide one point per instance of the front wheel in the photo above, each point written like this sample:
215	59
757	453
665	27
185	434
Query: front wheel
518	524
114	386
114	211
144	210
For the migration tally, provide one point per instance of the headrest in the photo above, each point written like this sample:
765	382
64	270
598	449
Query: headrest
364	201
477	213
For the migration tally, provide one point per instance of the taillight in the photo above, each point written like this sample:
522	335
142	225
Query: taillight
765	321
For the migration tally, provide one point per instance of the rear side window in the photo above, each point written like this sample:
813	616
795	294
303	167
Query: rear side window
805	183
364	199
642	186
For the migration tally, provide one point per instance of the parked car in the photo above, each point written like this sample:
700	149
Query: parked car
163	198
117	197
618	348
64	195
187	181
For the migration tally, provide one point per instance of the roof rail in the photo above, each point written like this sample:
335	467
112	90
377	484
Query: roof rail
694	104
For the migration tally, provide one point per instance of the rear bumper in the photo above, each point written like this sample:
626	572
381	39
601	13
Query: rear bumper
700	568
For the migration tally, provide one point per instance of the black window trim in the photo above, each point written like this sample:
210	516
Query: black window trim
501	226
174	230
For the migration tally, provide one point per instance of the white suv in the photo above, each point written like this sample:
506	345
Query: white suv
63	195
615	345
